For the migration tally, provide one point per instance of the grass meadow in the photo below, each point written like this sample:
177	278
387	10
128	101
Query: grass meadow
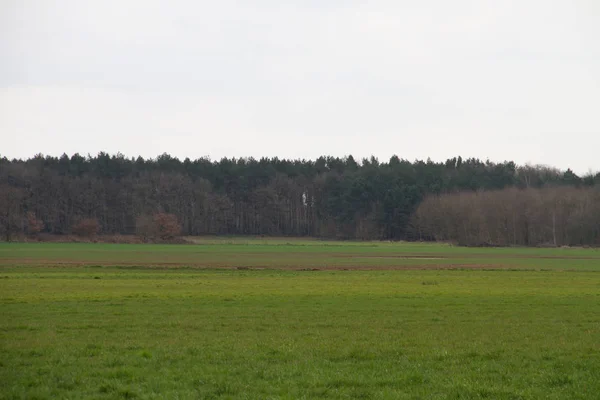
298	319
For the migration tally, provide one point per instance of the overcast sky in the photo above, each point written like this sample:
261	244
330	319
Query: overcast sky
516	80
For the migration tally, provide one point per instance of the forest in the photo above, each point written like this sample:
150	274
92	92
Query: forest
469	201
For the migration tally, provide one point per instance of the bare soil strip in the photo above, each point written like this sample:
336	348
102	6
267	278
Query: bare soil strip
463	256
283	266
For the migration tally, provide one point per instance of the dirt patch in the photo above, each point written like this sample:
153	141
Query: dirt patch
110	239
415	267
298	267
466	256
394	257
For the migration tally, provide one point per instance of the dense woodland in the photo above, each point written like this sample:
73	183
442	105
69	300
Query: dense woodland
328	197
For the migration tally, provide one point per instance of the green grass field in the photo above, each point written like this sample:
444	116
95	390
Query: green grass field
298	319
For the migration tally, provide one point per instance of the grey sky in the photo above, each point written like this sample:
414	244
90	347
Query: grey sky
516	80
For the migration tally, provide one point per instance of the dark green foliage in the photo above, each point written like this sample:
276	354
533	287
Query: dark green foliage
328	197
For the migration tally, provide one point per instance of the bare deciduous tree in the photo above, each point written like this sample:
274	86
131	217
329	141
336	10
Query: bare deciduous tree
34	224
86	227
556	216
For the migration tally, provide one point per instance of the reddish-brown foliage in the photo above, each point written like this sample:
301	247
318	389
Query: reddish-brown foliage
87	227
34	224
161	226
167	226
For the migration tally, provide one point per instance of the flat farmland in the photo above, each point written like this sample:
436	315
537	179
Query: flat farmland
298	319
296	254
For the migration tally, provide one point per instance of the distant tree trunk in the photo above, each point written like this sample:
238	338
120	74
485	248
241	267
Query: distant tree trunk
10	210
554	228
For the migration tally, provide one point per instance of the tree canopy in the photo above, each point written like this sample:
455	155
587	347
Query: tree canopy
327	197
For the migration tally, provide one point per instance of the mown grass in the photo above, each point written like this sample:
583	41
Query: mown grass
108	332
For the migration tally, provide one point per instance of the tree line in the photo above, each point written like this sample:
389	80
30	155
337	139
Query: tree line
328	197
552	216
